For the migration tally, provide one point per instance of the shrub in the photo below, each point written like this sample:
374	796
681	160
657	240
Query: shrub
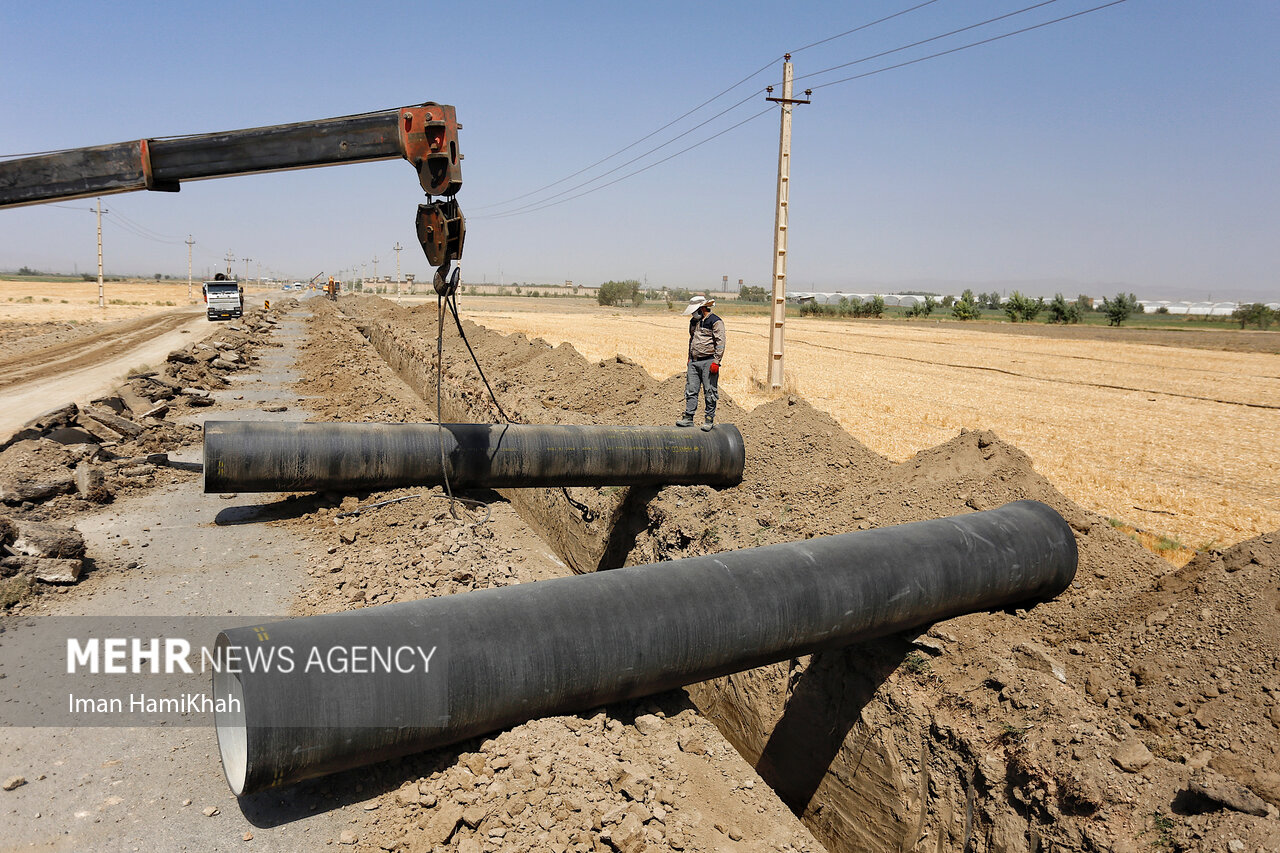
1256	313
1019	307
965	309
1119	309
616	292
751	293
1061	311
923	309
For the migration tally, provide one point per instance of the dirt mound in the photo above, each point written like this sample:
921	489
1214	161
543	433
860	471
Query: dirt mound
636	776
1087	722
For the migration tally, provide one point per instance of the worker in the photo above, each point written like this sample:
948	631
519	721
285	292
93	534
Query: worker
706	349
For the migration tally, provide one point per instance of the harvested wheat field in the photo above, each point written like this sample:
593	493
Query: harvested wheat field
1171	439
77	301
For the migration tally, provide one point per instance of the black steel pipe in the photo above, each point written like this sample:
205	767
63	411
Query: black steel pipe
507	655
295	457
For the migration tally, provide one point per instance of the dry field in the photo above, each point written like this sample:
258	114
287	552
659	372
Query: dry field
64	302
1180	442
43	302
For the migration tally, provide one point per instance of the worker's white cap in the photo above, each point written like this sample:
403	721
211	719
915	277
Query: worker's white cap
697	302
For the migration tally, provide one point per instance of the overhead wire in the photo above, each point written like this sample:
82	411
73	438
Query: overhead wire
636	172
971	44
127	225
551	201
157	234
928	40
859	29
695	109
629	162
626	148
128	228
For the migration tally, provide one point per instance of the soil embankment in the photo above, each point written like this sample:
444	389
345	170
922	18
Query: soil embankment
1141	705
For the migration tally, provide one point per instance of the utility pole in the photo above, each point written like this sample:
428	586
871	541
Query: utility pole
229	257
190	243
398	247
781	212
246	266
258	283
102	302
375	273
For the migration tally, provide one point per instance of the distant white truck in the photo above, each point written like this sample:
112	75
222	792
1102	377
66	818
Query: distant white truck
224	300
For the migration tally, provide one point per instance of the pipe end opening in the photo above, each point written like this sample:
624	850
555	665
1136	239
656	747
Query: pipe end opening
233	744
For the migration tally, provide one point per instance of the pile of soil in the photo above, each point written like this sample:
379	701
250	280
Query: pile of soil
1138	707
636	776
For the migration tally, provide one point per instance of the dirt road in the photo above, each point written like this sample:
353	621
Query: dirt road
32	382
172	550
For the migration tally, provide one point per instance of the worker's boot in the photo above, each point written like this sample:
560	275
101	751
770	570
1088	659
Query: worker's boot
686	420
708	424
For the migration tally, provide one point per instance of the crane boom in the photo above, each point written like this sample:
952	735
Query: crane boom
425	135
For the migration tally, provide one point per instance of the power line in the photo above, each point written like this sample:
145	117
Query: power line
765	111
690	112
135	231
676	120
127	225
545	203
859	29
140	226
971	44
633	159
926	41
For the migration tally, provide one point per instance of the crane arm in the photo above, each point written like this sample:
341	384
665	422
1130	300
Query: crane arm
425	135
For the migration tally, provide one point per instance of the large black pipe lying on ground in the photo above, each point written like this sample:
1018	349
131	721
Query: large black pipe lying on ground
295	457
503	656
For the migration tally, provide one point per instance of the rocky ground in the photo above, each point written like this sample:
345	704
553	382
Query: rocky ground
74	457
651	775
1141	708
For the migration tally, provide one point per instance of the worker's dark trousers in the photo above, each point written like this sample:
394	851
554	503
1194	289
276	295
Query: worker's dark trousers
699	375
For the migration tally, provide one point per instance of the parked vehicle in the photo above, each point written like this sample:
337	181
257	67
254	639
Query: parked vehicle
224	300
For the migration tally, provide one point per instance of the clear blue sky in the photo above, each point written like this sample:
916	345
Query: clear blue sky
1135	148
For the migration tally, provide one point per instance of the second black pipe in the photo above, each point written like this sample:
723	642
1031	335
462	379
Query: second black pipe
294	457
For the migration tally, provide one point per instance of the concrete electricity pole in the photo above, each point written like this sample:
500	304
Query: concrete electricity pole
246	267
102	302
190	243
229	257
779	313
398	247
375	273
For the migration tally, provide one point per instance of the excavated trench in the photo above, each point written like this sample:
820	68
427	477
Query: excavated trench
974	735
860	802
